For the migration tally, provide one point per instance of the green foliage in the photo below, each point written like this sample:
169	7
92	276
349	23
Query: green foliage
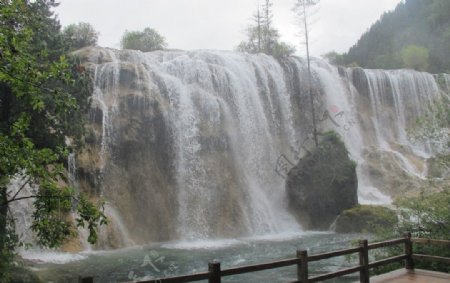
425	216
145	41
263	38
334	58
423	23
92	216
80	35
428	216
10	241
366	219
273	47
43	100
415	57
282	49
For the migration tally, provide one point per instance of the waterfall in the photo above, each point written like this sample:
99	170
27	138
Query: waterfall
188	143
22	211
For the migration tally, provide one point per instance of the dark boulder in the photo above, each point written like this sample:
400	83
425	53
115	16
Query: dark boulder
322	184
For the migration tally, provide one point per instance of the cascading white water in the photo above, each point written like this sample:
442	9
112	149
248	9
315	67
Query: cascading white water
22	211
251	134
190	140
396	99
104	97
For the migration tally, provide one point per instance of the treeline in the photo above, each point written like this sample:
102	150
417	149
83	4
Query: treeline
415	35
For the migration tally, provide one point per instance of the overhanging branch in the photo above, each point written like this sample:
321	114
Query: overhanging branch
38	196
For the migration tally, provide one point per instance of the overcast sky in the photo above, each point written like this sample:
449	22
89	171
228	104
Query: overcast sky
220	24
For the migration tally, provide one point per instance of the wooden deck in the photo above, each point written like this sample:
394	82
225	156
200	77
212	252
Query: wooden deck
412	276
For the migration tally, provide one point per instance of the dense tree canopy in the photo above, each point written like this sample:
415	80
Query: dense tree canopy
424	23
145	41
43	99
80	35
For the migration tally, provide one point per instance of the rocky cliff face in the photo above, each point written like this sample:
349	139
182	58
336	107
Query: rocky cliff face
196	145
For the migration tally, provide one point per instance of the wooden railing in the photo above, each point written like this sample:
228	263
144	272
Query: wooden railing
431	257
301	261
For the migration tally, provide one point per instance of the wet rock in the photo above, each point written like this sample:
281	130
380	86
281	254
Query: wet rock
322	184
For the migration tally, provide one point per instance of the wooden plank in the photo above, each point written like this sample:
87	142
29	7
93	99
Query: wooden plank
322	256
411	276
431	258
259	267
335	274
387	261
430	241
386	244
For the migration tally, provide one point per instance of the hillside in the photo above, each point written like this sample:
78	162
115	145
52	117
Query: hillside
416	34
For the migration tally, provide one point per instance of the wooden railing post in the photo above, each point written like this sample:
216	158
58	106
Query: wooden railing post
214	272
302	267
364	262
409	263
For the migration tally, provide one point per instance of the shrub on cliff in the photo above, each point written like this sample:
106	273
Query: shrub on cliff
366	219
145	41
80	35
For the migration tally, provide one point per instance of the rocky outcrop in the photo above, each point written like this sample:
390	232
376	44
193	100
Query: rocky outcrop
366	219
398	172
322	184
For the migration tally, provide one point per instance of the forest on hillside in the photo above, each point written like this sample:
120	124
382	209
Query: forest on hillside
416	35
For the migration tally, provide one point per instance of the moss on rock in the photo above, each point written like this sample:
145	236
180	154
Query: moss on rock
366	219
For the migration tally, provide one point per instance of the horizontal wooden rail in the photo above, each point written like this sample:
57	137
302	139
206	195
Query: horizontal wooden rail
259	267
335	274
431	242
386	261
386	244
431	258
333	254
215	273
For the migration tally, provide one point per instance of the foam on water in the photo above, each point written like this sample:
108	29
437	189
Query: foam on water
45	256
203	244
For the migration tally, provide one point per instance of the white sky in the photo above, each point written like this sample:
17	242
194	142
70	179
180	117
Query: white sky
220	24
